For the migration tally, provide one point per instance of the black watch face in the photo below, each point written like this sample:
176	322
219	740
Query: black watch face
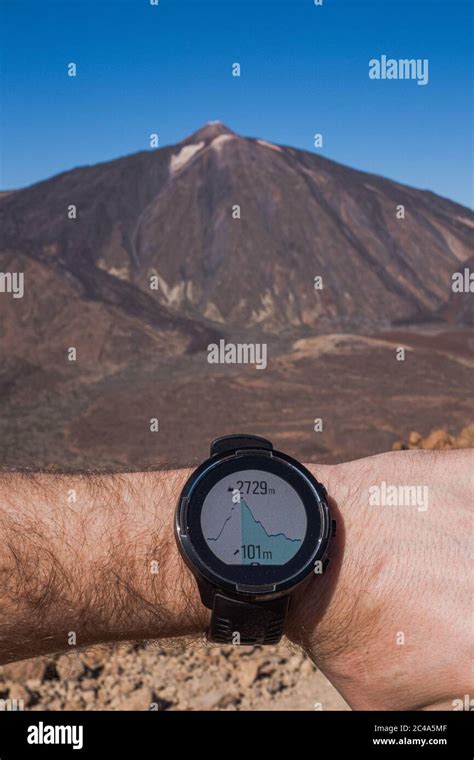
253	520
253	517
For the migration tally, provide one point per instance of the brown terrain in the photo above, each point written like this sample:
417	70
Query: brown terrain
141	353
64	416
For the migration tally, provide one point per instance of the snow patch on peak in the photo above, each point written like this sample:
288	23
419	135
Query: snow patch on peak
185	154
270	145
218	142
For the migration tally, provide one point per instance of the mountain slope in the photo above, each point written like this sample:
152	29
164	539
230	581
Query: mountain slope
170	213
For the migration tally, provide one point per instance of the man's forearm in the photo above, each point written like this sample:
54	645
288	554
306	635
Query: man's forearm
91	559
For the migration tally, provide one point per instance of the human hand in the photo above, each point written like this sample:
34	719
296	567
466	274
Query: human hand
390	622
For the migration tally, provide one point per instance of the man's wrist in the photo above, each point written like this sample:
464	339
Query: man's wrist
155	593
310	621
328	620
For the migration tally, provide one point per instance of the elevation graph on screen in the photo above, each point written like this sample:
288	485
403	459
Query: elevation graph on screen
253	544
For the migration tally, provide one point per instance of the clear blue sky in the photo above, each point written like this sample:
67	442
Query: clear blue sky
167	69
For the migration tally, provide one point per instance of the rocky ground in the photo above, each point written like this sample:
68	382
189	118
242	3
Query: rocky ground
189	677
438	439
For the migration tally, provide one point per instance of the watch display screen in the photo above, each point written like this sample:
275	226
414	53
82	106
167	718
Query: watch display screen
253	517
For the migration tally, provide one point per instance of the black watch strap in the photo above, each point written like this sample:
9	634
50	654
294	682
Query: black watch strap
238	622
237	442
235	621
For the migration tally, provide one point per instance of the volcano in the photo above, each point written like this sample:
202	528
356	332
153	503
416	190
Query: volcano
141	263
239	232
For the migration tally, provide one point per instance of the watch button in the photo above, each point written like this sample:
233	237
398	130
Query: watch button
333	528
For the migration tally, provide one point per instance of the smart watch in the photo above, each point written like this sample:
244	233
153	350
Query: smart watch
252	524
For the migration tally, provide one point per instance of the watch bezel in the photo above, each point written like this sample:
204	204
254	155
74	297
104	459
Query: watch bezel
246	581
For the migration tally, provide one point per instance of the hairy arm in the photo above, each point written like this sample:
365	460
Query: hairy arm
92	559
